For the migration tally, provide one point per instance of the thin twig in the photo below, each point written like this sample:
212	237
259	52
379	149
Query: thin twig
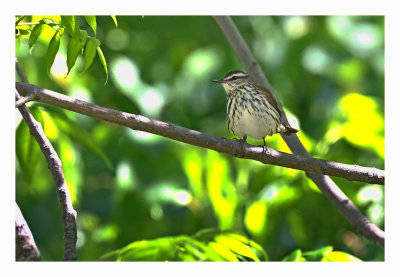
55	166
25	246
23	101
20	72
324	183
231	147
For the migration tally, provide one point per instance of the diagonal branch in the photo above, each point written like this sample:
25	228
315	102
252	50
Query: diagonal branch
227	146
324	183
25	246
55	167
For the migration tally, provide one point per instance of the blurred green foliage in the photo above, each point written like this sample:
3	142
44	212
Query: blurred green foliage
130	186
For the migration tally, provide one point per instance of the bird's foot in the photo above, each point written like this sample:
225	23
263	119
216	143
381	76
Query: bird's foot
264	147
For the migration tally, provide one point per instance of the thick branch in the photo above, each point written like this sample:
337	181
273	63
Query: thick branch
55	166
25	246
231	147
324	183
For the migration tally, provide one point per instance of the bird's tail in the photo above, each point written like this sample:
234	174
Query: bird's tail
287	130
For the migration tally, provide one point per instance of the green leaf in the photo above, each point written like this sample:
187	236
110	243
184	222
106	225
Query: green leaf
256	248
207	235
90	52
27	149
162	249
115	20
191	249
36	31
71	24
237	247
19	19
91	20
295	256
222	253
74	47
52	50
103	62
50	22
83	37
337	256
317	255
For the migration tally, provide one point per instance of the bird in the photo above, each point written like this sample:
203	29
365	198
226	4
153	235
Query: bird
251	109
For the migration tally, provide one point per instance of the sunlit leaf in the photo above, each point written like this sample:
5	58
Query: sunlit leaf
224	253
365	124
71	167
318	254
221	190
36	31
256	248
256	217
52	50
50	22
193	165
74	48
295	256
223	247
18	19
115	20
91	20
195	249
162	249
103	61
237	246
71	25
337	256
90	51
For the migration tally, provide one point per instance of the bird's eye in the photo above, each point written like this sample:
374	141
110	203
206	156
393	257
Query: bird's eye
234	78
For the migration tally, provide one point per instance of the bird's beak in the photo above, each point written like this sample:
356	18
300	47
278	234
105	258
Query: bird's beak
219	81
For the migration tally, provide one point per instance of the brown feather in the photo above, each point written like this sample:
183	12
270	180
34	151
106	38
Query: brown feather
288	129
269	97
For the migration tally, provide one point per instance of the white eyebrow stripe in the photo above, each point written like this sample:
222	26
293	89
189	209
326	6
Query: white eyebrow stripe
237	75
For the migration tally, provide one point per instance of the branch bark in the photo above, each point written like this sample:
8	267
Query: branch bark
324	183
235	148
25	246
55	166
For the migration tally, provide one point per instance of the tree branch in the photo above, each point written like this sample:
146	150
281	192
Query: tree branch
25	246
235	148
55	166
324	183
20	72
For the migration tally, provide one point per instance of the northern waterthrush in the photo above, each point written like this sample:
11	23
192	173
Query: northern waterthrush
251	109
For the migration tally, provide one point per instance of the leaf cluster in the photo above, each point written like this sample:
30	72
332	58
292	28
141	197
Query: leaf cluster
79	40
206	245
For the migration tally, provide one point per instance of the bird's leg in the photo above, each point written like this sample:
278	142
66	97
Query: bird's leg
265	146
